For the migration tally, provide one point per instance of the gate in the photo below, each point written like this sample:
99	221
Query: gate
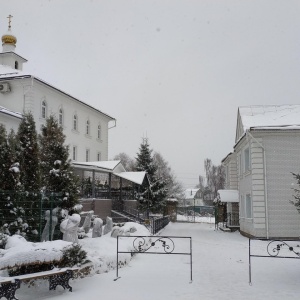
193	214
160	245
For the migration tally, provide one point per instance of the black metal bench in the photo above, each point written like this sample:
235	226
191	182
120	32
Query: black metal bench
9	285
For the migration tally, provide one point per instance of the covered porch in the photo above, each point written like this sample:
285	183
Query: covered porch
106	186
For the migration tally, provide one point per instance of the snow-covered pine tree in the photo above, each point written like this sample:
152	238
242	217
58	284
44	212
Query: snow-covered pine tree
57	173
12	212
6	160
30	175
153	197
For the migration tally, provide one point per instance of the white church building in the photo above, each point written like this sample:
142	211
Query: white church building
85	127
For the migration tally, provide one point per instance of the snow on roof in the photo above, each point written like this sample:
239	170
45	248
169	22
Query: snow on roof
6	111
105	166
136	177
8	73
228	195
190	193
270	116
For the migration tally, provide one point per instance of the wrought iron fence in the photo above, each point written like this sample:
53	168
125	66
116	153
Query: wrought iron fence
158	223
156	245
272	249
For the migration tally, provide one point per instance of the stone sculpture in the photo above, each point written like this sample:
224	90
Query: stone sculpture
49	223
87	221
97	228
108	226
69	228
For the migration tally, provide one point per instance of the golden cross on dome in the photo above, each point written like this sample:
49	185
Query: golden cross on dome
9	20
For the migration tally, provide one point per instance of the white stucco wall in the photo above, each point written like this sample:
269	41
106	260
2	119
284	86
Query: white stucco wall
28	94
282	156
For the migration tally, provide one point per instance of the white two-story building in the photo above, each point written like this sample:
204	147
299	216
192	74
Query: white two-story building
85	127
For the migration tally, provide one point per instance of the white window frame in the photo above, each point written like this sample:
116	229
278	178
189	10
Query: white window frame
248	206
61	117
247	159
74	153
240	166
99	132
99	156
44	109
87	155
88	127
75	122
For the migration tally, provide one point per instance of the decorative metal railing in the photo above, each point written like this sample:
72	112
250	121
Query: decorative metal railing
155	245
158	224
273	249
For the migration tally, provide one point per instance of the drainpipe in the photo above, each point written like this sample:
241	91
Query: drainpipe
265	179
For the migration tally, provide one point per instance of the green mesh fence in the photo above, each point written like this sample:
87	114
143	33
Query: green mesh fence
29	213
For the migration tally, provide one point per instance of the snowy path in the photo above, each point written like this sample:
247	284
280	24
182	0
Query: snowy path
220	271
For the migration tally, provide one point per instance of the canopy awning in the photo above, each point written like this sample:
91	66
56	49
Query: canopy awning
136	177
114	167
111	166
228	196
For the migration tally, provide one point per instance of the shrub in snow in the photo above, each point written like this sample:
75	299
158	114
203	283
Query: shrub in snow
73	256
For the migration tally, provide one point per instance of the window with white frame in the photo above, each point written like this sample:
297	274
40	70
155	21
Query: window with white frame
87	155
240	165
248	206
60	117
99	156
99	132
75	122
74	154
242	207
87	131
247	166
227	174
44	109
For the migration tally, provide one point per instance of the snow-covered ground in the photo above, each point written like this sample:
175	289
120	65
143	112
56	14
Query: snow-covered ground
220	271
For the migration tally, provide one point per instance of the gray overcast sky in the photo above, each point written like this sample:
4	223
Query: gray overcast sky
173	70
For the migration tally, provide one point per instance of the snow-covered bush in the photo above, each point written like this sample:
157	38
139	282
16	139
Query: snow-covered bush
73	256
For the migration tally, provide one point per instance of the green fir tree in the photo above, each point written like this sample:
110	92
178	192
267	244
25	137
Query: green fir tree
30	174
11	209
57	173
151	197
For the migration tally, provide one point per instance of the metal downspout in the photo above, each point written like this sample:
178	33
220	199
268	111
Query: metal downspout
265	180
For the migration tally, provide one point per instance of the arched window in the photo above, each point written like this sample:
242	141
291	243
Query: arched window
87	127
60	117
99	132
44	109
16	65
75	122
